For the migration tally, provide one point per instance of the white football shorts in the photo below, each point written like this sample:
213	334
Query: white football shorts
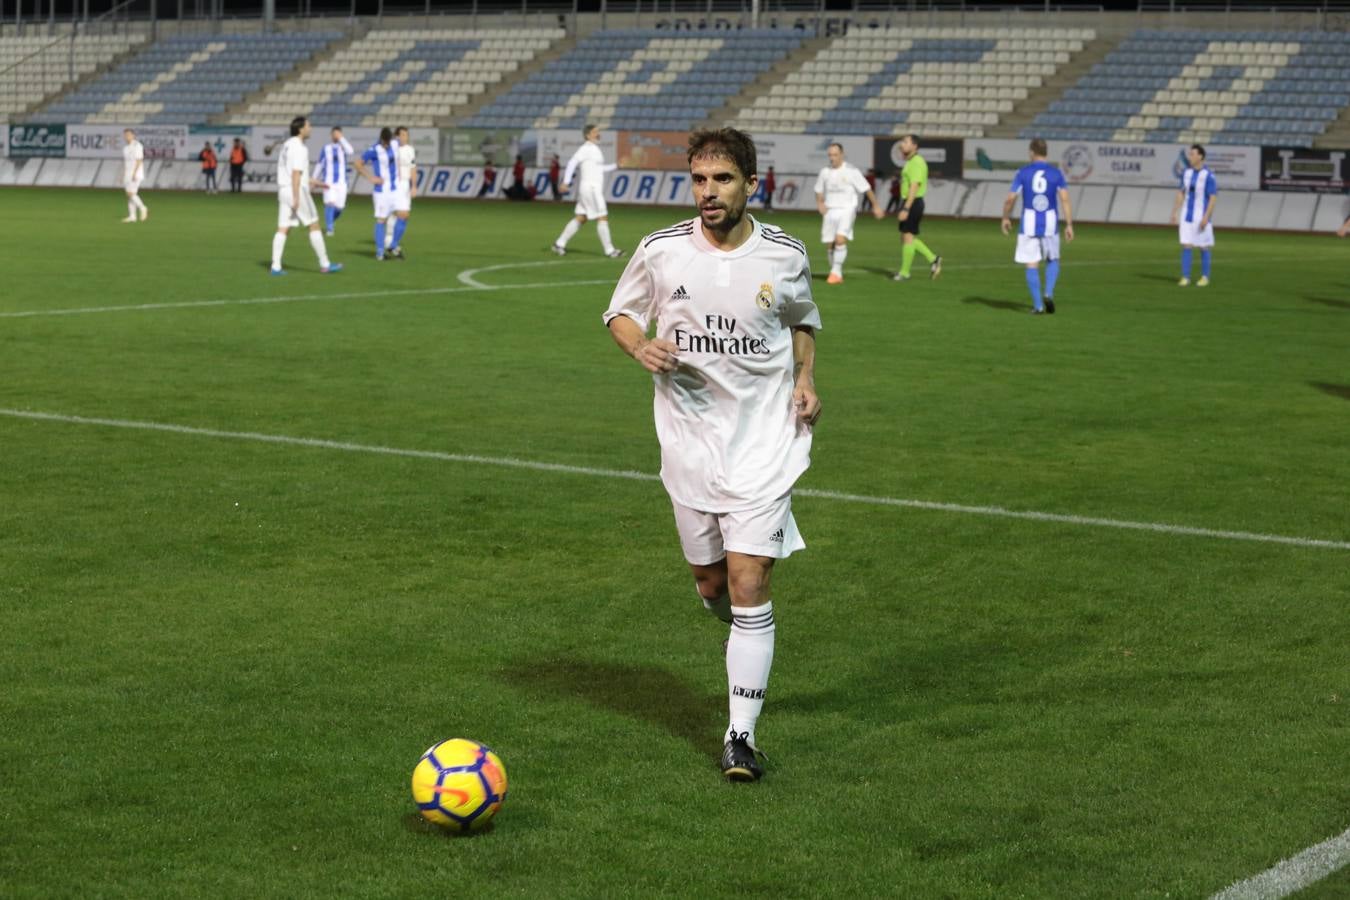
837	221
769	530
403	198
133	186
304	212
335	195
1035	249
1195	237
384	203
591	202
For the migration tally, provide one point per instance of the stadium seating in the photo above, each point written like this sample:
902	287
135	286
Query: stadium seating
188	79
43	65
639	79
1197	86
949	81
410	77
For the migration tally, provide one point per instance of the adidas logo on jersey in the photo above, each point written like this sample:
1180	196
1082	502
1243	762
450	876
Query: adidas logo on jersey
680	294
777	536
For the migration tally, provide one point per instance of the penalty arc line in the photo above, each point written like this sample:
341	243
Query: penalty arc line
533	465
1293	874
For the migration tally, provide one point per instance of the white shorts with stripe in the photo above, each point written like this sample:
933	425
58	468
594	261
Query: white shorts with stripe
769	531
303	213
384	203
403	198
591	202
1195	237
837	221
335	195
1032	249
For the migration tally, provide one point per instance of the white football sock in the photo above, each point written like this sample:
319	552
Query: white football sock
603	228
131	208
721	607
140	204
840	254
278	245
749	657
316	241
573	226
389	224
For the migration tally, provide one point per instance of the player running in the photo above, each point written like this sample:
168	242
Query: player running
1197	196
295	202
331	172
837	189
913	186
133	173
733	362
588	164
1043	190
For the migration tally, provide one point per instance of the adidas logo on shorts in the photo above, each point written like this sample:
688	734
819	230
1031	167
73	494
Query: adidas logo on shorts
777	537
680	294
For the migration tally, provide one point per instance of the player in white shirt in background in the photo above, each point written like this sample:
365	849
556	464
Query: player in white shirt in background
331	172
294	201
133	173
838	187
733	361
397	223
589	167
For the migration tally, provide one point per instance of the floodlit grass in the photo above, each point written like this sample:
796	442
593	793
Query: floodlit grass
222	657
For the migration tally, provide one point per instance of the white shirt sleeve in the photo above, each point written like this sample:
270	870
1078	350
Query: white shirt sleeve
573	163
859	180
820	182
801	308
635	294
346	146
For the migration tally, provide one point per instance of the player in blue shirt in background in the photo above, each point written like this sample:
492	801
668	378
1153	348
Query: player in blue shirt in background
331	171
1197	195
382	157
1044	192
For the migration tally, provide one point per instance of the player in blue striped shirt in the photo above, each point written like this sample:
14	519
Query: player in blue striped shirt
331	172
1043	192
1195	203
382	157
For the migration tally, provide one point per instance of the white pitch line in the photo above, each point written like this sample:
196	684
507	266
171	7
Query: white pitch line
295	298
466	277
509	462
1293	874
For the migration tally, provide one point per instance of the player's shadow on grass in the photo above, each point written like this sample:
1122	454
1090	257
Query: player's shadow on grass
1009	305
1328	301
1332	390
648	693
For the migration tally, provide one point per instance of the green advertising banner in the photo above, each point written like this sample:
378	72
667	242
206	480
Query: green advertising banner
37	140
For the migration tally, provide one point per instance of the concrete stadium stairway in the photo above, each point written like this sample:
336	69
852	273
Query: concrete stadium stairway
240	108
762	85
1065	77
538	62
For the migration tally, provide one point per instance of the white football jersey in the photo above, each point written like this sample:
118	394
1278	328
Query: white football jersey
294	156
841	186
406	157
730	438
588	165
132	154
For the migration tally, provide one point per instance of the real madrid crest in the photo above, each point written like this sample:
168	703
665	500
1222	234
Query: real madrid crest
764	299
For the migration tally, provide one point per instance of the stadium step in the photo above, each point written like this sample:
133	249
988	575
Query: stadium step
62	49
485	99
237	113
762	85
1065	77
1337	135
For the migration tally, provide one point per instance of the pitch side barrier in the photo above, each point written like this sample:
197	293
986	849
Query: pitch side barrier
1266	188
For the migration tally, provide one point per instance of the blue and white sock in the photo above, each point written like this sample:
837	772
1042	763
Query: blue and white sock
1051	276
1204	262
379	239
749	658
400	226
1034	285
1186	258
329	215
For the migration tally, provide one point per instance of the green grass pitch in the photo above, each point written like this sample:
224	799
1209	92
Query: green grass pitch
222	656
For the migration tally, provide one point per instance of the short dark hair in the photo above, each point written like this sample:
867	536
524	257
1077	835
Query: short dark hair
337	128
588	129
913	138
1198	149
398	128
297	124
386	135
725	143
835	144
1039	147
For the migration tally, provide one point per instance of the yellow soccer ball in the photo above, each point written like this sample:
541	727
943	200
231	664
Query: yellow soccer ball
459	784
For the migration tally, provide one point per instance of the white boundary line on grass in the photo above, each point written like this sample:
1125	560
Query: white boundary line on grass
1293	874
993	511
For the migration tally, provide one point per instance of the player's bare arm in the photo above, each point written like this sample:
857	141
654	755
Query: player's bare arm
1008	202
820	203
653	354
909	201
1209	212
1176	207
804	399
1068	214
877	212
365	171
412	181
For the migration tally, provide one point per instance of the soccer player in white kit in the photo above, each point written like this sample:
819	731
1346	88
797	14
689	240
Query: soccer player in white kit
133	173
331	172
837	188
588	164
1195	209
733	361
295	204
397	223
